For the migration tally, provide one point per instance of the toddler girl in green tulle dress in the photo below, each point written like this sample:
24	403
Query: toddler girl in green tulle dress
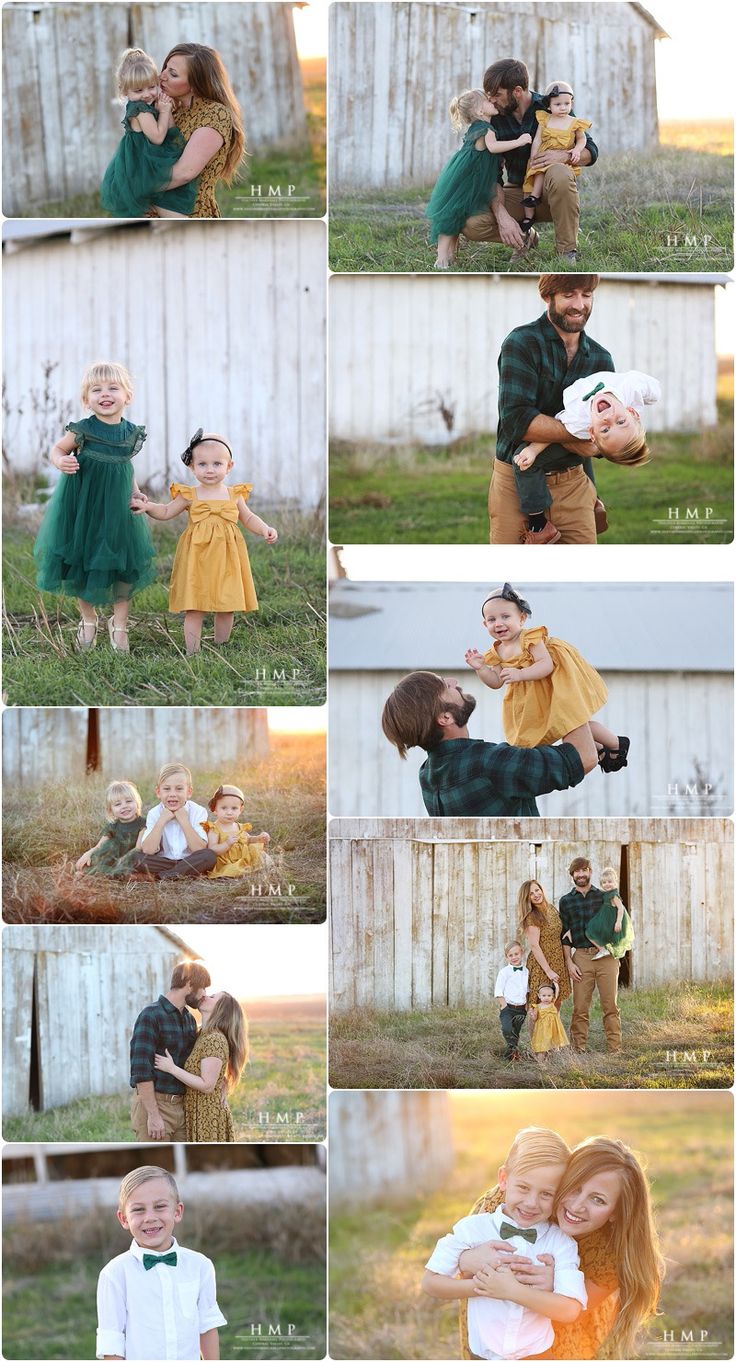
468	181
140	170
91	543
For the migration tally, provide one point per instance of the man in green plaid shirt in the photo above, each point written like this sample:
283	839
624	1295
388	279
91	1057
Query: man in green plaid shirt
463	776
588	967
157	1109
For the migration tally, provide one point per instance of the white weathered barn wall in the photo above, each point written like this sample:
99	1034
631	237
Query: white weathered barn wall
97	987
223	330
61	122
400	343
387	1146
395	66
420	918
674	719
51	744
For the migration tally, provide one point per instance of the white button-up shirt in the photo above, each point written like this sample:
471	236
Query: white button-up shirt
512	984
499	1328
173	841
632	388
159	1313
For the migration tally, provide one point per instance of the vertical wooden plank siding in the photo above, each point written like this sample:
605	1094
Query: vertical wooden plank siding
386	388
43	744
17	1005
342	964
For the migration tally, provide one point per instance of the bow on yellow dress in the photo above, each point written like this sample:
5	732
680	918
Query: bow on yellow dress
542	711
211	570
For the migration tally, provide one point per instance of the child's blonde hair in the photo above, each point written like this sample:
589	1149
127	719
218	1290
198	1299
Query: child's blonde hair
511	945
135	69
534	1147
170	769
560	87
132	1181
106	371
608	872
633	454
118	789
463	108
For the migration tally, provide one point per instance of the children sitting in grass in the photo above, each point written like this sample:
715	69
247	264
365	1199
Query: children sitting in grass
114	853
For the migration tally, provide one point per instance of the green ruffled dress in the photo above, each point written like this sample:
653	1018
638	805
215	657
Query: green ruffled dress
600	928
466	185
135	178
117	855
90	544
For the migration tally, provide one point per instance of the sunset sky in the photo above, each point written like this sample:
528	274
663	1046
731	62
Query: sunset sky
252	961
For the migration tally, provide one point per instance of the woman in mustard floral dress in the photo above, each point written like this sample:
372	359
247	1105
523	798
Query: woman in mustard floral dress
213	1069
540	923
209	118
604	1203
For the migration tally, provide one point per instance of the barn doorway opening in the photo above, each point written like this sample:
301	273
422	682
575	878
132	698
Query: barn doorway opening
34	1075
93	740
626	971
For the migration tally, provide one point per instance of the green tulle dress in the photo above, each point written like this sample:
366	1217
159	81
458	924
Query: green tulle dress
600	928
137	173
466	185
117	855
90	544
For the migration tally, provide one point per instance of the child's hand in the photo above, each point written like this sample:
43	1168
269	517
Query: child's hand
553	978
265	838
271	535
510	674
575	156
138	503
524	459
164	102
164	1063
474	659
68	463
486	1282
525	139
540	1274
84	860
532	1015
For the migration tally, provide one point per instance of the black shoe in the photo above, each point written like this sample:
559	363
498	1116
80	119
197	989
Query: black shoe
526	224
610	760
530	200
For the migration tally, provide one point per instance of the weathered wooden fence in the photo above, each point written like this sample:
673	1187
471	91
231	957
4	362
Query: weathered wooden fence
247	362
70	997
394	68
54	744
387	1146
421	909
61	122
394	377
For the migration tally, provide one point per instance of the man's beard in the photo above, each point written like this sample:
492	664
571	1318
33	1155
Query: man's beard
193	1000
559	319
461	712
511	105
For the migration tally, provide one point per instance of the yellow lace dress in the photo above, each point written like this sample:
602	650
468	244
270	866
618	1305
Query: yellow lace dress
205	113
211	569
542	711
554	139
240	859
548	1032
581	1341
205	1116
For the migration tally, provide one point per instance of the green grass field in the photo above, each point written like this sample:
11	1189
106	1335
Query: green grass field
429	495
285	1077
463	1047
276	655
377	1254
667	210
279	184
285	795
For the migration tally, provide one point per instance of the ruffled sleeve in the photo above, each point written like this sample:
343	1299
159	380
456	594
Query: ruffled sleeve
182	489
79	431
531	636
136	106
140	435
542	117
583	123
478	128
241	489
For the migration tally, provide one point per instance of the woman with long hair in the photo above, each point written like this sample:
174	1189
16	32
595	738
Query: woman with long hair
213	1069
208	115
540	923
603	1202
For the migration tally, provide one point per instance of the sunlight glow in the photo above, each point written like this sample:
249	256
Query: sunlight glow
252	961
297	719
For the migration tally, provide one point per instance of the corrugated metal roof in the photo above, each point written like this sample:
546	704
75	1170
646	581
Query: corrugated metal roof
621	626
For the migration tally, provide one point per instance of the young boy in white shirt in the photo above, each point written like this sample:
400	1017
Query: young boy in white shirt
173	843
158	1299
512	986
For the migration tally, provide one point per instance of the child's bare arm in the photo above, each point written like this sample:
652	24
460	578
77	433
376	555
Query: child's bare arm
498	148
63	454
443	1288
526	457
488	675
250	521
264	837
163	510
578	148
152	129
195	841
504	1286
541	667
209	1345
86	856
214	843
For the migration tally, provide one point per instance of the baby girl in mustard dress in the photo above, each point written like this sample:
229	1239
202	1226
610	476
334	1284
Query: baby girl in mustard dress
211	572
558	130
238	850
548	1033
550	689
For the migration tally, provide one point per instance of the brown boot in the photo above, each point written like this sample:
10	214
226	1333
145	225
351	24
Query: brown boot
601	519
549	535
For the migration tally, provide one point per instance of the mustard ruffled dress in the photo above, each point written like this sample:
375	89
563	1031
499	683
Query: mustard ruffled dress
207	1120
211	570
555	139
536	712
548	1033
241	858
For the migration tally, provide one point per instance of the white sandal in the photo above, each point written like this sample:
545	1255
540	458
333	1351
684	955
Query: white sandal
81	642
113	629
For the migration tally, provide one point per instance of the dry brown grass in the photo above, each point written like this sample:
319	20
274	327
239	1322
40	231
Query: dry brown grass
692	135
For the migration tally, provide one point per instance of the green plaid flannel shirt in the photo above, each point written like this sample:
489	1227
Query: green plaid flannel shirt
576	911
160	1027
466	776
507	128
532	376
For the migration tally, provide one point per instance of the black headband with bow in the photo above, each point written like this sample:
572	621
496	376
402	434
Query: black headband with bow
507	593
199	438
553	94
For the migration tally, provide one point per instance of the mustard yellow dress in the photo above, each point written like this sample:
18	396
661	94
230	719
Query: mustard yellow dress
550	944
554	139
548	1033
205	1116
207	113
583	1339
242	857
542	711
211	569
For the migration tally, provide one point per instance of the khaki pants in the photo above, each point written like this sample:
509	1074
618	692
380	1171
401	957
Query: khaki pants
560	205
573	499
603	975
171	1106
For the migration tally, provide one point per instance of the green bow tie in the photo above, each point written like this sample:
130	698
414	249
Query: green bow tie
515	967
510	1231
599	389
153	1259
